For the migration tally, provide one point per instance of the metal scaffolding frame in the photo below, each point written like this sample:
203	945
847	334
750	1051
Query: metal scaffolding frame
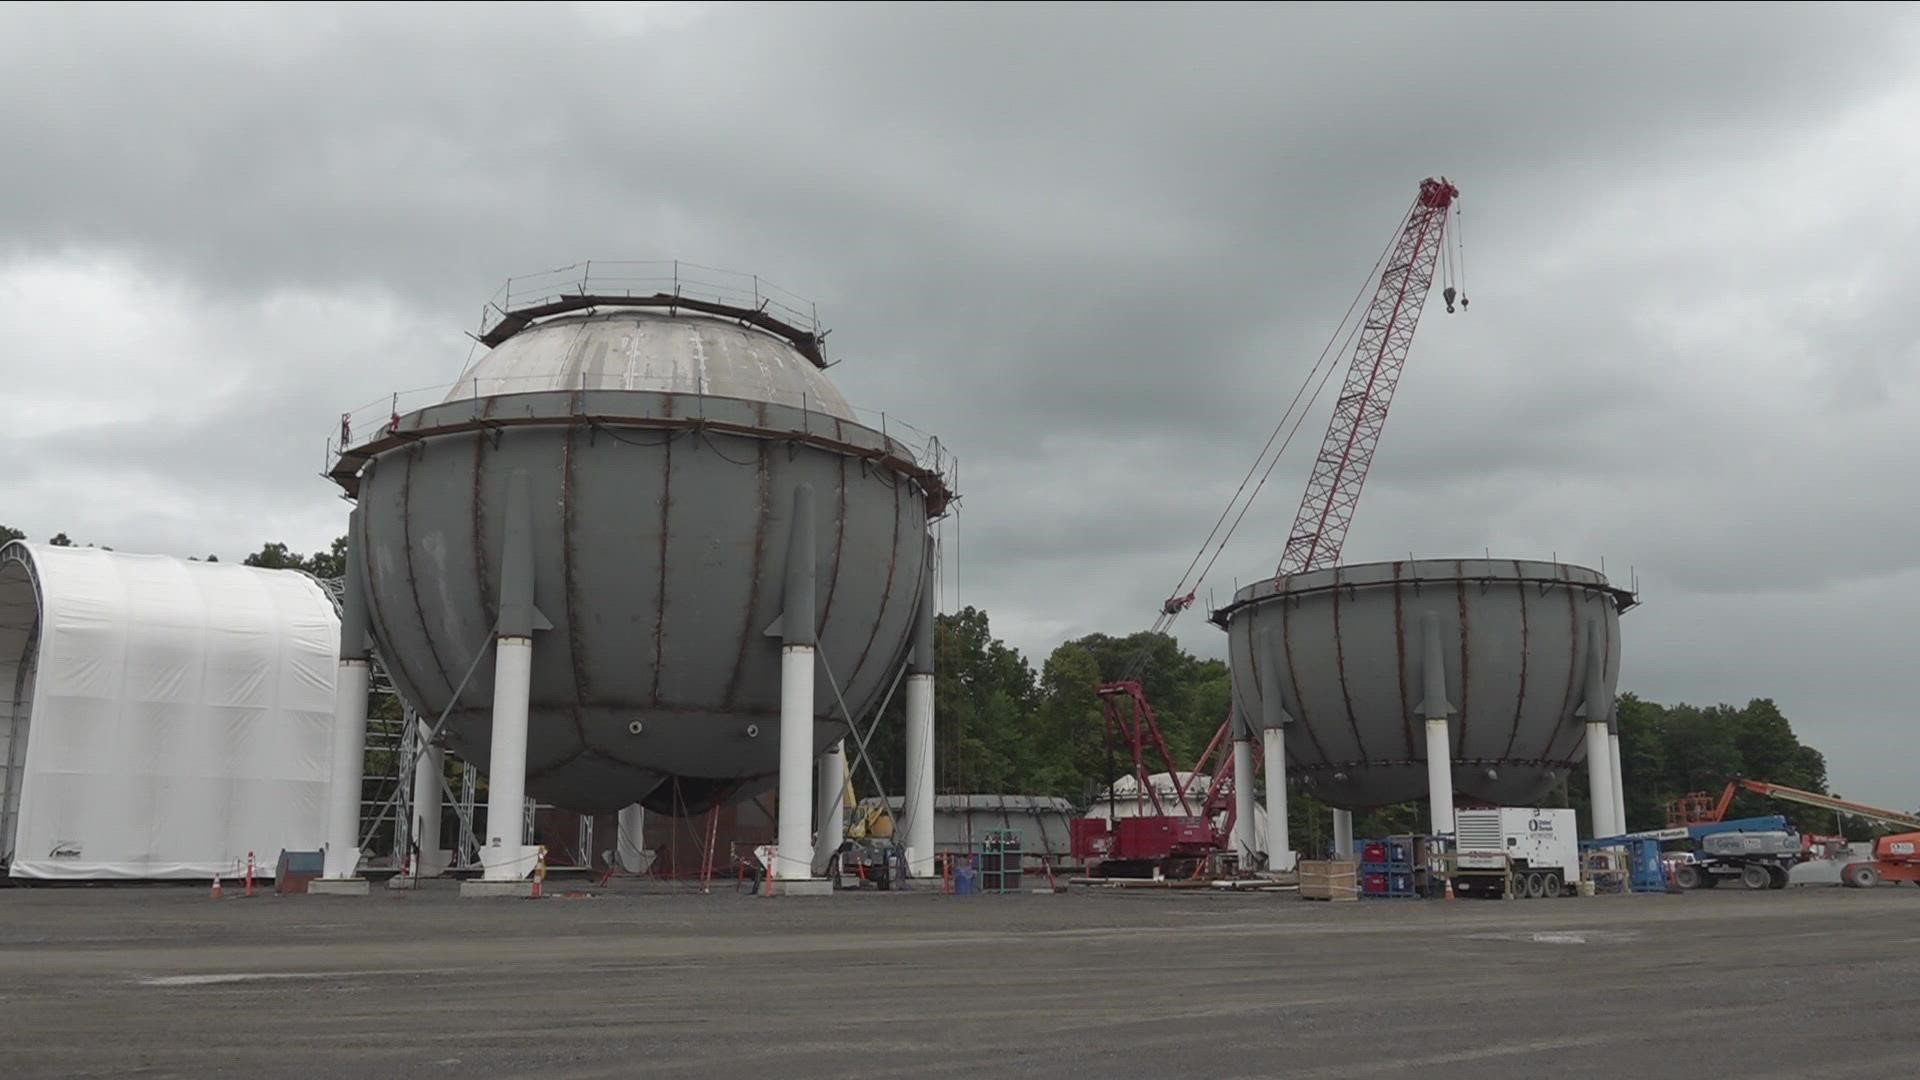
393	746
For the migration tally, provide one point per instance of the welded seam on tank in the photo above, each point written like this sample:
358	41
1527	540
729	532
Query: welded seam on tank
1520	699
413	586
545	770
1606	648
933	483
750	631
576	635
1253	666
1340	666
1400	665
488	604
1560	721
839	547
1293	676
886	593
395	669
1466	651
666	523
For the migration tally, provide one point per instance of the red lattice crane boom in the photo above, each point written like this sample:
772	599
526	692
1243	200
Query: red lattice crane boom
1320	528
1333	489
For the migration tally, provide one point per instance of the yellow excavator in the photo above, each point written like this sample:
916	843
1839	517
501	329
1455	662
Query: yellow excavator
871	823
867	854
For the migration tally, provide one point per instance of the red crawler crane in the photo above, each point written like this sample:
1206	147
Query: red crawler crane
1385	334
1360	413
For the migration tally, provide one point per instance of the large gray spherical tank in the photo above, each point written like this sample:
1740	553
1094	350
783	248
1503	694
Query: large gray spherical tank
1343	649
662	449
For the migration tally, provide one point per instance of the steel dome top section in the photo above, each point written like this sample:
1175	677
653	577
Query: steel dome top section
628	348
1414	573
673	285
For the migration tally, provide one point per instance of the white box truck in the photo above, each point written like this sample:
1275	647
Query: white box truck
1533	851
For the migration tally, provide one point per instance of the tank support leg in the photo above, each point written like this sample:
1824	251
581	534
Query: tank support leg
832	814
349	718
1245	826
429	769
1436	708
505	855
1274	737
1273	724
793	853
1342	833
1599	746
918	800
1619	782
629	847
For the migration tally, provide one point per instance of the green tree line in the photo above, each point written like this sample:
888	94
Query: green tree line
1003	727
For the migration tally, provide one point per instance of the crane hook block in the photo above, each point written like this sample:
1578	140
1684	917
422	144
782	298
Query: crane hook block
1448	294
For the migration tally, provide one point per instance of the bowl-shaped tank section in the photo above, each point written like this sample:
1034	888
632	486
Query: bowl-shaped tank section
1344	648
662	452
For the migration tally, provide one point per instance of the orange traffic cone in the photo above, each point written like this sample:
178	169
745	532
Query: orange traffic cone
215	893
1449	888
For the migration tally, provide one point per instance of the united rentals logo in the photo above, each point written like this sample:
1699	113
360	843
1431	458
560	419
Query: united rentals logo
65	849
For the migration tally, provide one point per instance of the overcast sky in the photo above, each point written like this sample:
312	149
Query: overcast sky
1094	249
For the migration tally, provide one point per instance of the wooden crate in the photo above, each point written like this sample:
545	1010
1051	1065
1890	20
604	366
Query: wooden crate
1335	879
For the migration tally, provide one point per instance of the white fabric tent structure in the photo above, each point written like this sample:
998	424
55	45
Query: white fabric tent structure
159	717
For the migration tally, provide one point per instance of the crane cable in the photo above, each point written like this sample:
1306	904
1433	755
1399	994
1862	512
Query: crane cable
1189	585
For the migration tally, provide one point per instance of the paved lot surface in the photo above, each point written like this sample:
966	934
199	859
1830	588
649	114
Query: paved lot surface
156	982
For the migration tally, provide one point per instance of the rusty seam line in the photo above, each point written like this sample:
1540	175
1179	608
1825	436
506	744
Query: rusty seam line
413	586
1565	716
749	632
1340	666
660	598
395	669
1286	649
575	635
1400	654
1520	704
886	595
1466	633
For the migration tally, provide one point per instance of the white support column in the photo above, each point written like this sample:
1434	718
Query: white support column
1600	780
630	846
429	769
1599	746
831	814
1436	708
349	744
504	853
1342	833
504	856
1245	827
918	798
919	793
1279	844
1619	785
793	850
793	857
348	766
1439	778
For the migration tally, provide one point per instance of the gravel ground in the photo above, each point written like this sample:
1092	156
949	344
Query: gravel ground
156	981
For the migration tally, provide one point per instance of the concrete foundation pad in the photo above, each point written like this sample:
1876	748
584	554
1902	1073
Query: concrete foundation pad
353	886
509	889
803	887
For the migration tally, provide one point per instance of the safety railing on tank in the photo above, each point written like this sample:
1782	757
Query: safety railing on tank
656	277
368	422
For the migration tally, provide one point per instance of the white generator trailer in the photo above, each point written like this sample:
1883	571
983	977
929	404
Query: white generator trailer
1526	851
